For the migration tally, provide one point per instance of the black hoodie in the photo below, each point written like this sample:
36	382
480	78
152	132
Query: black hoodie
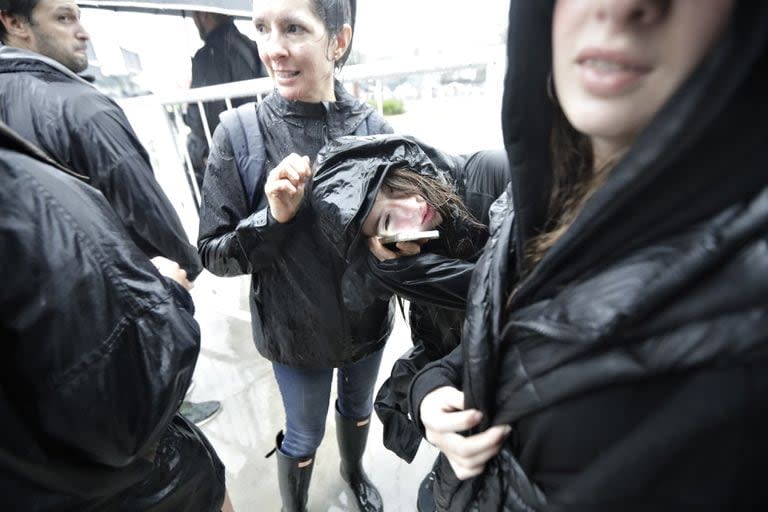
632	362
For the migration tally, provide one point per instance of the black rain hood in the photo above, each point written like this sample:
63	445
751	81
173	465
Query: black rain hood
635	349
348	174
653	189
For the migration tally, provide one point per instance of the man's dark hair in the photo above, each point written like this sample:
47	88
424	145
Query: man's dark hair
21	8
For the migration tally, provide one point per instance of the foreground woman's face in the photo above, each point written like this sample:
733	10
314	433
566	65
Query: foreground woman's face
616	62
394	212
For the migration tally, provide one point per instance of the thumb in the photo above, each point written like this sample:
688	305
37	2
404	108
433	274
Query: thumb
452	398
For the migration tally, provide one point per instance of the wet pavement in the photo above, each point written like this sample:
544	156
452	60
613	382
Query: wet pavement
231	370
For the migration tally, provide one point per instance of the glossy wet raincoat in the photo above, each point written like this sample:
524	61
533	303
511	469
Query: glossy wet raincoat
97	352
298	313
348	176
86	131
633	360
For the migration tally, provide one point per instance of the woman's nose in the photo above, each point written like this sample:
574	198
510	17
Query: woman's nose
632	13
408	216
273	44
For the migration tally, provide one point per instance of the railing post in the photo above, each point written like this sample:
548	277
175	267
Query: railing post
379	94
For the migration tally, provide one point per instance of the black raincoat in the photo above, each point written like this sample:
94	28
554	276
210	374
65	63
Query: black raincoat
348	176
97	352
227	56
633	362
298	313
87	132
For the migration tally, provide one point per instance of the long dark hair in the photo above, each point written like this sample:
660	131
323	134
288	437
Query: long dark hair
461	234
575	179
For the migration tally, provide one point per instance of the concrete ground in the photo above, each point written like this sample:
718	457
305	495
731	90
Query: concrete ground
230	370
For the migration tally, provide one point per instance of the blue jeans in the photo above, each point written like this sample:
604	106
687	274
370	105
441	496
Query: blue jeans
306	393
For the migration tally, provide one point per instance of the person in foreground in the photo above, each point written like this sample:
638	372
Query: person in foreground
615	349
43	99
254	220
98	350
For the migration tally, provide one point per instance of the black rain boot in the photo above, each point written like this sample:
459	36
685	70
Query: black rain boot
425	501
293	476
352	436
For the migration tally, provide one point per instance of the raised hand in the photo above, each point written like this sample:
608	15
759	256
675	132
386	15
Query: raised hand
285	186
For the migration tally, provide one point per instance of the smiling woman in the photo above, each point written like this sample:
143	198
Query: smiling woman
297	50
299	321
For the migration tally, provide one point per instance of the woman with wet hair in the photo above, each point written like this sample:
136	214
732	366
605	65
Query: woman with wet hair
615	350
253	220
367	187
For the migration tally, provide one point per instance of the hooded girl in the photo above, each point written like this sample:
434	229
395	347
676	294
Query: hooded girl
368	186
615	348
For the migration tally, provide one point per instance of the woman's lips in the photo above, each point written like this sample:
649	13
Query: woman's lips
284	75
610	73
427	217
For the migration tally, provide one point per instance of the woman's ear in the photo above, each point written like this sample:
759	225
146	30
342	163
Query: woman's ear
343	40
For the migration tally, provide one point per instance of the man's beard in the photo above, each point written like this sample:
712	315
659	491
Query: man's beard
46	45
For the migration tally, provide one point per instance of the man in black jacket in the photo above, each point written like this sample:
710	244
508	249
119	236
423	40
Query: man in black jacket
91	386
227	56
44	100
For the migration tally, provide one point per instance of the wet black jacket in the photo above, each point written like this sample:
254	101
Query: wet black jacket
87	132
97	352
633	362
227	56
348	177
297	308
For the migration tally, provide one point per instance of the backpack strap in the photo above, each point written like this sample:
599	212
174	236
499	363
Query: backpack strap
242	127
372	125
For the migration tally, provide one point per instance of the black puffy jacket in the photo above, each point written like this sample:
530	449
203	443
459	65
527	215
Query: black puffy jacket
633	360
297	307
87	132
348	176
97	352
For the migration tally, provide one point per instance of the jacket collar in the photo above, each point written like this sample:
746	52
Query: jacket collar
10	53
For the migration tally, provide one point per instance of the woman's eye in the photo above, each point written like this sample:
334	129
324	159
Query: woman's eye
294	29
260	28
386	223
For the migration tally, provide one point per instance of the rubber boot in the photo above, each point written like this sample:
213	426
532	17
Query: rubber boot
293	476
352	436
425	501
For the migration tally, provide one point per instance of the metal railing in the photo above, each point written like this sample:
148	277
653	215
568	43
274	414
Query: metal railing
373	75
